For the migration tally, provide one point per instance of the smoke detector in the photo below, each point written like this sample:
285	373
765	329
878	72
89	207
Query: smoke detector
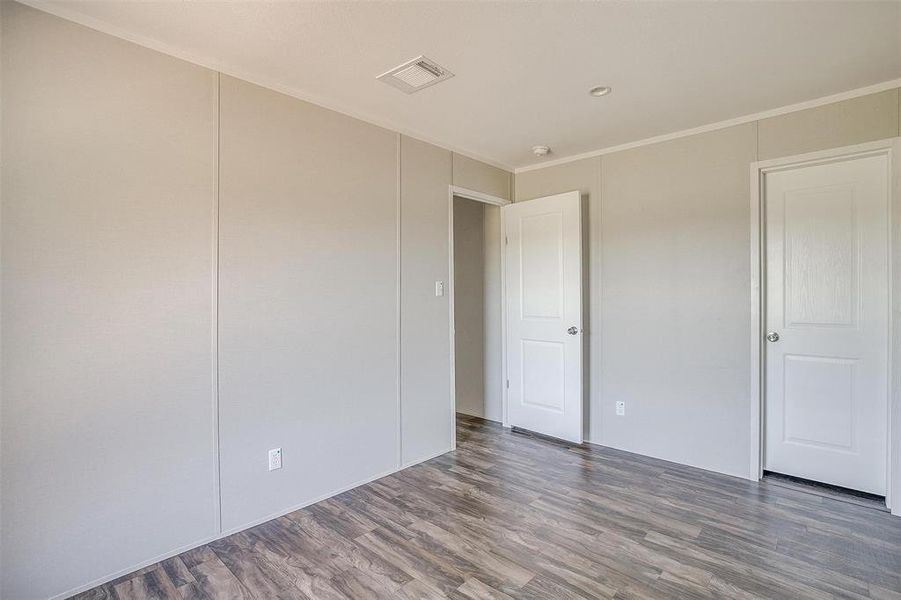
415	75
541	150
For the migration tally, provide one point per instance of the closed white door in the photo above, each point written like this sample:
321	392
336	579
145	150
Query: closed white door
544	315
827	322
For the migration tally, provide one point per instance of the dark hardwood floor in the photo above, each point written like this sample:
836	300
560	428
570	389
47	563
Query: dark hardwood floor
513	516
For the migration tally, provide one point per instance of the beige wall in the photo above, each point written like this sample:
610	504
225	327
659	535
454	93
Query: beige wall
674	299
307	301
474	175
469	306
108	190
478	364
669	276
425	388
854	121
331	342
492	289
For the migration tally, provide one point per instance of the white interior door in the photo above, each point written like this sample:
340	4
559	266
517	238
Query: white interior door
827	322
544	315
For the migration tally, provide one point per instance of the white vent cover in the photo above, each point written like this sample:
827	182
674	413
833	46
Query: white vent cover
415	75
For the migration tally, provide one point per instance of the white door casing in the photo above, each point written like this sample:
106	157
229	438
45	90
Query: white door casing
826	377
543	289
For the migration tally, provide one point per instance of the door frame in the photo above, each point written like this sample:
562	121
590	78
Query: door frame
892	149
461	192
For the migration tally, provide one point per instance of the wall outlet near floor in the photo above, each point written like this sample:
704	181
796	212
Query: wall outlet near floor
275	459
620	408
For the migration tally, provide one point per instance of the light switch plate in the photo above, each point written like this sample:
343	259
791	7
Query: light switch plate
620	408
439	288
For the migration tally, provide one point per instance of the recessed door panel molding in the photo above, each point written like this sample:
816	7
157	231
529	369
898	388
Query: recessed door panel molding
541	268
821	258
541	386
822	386
544	315
826	379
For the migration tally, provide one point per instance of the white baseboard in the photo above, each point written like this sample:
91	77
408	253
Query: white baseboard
223	534
422	460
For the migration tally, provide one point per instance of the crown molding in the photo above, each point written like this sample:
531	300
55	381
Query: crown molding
63	12
96	24
775	112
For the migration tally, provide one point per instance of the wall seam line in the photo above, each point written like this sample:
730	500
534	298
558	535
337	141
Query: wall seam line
595	275
876	88
399	307
215	299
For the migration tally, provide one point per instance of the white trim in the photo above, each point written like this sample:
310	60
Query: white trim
890	409
758	299
824	156
894	423
416	461
461	192
450	315
63	12
234	530
775	112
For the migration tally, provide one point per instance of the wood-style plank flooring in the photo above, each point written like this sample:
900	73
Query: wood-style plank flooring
514	516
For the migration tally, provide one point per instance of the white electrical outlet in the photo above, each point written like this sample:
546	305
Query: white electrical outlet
275	459
620	408
439	288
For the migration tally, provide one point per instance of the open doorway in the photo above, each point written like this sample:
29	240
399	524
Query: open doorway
477	306
516	286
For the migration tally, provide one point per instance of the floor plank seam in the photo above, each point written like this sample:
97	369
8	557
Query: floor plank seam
513	516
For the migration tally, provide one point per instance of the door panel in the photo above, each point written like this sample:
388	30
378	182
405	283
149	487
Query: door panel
543	368
821	256
544	303
541	244
827	300
821	386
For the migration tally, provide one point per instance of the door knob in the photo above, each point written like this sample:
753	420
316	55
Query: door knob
572	330
772	336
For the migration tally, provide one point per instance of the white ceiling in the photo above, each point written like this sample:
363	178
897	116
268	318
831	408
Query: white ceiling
523	70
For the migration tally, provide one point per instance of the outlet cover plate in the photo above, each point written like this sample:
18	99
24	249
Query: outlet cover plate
275	459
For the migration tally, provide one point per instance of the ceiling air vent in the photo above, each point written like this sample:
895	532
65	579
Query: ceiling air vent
415	75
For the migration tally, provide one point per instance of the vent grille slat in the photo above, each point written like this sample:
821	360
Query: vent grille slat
415	75
433	69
